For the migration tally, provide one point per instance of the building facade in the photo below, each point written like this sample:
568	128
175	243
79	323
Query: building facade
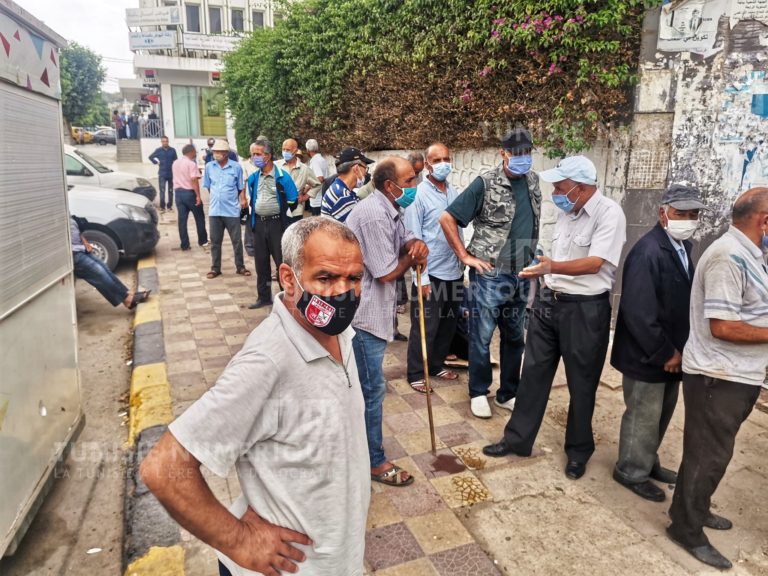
177	47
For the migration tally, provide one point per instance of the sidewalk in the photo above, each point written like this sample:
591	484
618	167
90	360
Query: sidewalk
511	516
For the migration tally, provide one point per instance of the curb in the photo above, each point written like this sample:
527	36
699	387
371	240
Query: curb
152	538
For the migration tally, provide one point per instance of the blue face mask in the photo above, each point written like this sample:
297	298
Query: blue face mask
562	201
259	161
287	156
765	241
409	195
519	165
441	170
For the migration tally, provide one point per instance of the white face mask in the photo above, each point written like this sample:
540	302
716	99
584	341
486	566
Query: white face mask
360	182
681	229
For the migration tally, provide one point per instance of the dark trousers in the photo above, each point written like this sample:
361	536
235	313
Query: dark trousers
577	332
96	273
185	203
650	406
441	313
248	239
165	182
266	242
218	224
223	570
315	211
714	412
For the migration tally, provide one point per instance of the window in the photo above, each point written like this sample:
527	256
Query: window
237	20
258	19
193	18
73	167
214	20
198	111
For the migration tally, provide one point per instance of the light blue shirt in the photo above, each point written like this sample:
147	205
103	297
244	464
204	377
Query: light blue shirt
423	219
224	185
681	253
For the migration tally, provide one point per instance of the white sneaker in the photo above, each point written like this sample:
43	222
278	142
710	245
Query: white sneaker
480	407
508	405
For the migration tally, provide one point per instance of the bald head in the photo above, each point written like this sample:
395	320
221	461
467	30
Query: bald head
291	145
750	214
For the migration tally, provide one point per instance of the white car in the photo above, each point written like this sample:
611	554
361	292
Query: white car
82	169
119	223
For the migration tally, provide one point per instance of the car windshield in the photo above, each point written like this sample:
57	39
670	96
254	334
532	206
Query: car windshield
100	168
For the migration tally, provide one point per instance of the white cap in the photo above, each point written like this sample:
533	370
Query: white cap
220	146
576	168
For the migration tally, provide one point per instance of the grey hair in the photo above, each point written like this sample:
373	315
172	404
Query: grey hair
414	157
296	236
311	145
345	167
267	145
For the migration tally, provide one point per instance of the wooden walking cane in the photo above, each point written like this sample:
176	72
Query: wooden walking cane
423	332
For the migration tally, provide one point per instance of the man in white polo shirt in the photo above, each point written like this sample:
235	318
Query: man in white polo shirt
572	315
724	365
288	413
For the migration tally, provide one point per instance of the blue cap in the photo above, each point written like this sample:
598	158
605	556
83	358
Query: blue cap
576	168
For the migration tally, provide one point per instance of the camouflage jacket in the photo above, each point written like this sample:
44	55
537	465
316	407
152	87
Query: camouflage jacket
494	221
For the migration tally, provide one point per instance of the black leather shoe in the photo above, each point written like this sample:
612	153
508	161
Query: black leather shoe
575	470
647	489
401	337
497	450
707	554
663	475
717	522
259	304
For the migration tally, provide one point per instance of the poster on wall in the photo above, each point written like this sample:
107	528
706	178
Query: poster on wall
153	16
749	10
210	42
690	26
152	40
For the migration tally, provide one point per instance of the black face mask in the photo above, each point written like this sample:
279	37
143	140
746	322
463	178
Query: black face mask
329	314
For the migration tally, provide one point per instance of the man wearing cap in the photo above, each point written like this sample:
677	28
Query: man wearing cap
302	175
504	206
725	362
651	330
232	155
572	316
319	166
340	198
272	194
389	249
224	180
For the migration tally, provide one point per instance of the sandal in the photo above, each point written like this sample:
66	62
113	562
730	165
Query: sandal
393	477
212	275
244	272
447	374
419	386
138	298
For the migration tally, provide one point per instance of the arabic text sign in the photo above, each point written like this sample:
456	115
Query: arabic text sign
152	40
212	43
749	10
157	16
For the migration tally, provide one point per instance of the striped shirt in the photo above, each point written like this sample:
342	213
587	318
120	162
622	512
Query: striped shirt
730	283
382	234
338	201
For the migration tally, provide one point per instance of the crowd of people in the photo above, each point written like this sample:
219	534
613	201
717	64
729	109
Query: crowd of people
301	404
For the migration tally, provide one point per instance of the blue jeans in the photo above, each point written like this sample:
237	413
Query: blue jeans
96	273
163	182
185	203
496	299
369	355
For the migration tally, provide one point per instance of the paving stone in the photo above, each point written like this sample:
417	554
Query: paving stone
390	545
467	560
439	531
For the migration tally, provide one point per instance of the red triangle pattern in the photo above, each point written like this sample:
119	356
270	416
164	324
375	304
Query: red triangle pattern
6	45
17	36
44	78
53	58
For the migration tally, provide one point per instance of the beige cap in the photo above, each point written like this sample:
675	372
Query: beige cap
220	146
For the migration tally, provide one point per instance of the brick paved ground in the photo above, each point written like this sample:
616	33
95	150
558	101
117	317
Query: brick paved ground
528	517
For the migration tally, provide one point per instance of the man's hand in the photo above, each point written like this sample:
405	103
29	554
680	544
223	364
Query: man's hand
198	200
243	203
265	548
543	267
481	266
674	364
418	252
426	291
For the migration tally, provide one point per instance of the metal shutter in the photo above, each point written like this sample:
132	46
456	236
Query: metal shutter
34	224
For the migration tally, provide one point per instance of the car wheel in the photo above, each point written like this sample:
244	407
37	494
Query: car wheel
104	248
102	142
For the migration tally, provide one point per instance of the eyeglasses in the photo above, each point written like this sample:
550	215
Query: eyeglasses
521	152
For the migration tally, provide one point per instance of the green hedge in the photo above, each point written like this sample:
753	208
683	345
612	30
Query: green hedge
391	74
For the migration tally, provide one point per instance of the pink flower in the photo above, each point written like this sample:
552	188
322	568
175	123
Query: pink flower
494	33
499	21
485	71
559	18
466	96
552	69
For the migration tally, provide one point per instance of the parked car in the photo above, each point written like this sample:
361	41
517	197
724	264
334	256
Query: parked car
119	223
76	131
105	136
82	169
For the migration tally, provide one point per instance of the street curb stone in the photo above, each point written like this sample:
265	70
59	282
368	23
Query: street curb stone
152	537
